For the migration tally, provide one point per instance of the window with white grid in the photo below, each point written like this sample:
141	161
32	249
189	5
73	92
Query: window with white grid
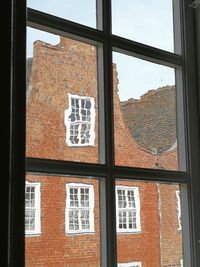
130	264
128	209
79	208
32	208
178	209
79	121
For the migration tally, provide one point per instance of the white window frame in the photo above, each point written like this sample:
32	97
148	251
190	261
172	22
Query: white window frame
68	208
130	264
181	262
178	209
37	208
137	208
68	123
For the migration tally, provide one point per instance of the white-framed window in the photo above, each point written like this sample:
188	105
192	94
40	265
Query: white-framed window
181	262
80	120
32	208
128	209
79	216
130	264
178	208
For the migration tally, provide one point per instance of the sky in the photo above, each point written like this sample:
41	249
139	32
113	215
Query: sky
146	21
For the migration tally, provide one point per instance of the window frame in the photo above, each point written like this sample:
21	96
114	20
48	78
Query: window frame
37	208
15	122
137	209
178	203
68	208
181	262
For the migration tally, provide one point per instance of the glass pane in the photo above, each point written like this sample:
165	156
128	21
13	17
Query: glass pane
144	21
148	232
74	10
62	98
59	232
145	114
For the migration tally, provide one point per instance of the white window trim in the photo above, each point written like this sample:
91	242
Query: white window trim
130	264
37	230
137	204
68	122
91	208
181	262
178	209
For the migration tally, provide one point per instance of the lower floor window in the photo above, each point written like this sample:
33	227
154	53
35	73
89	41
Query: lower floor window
32	208
79	208
128	209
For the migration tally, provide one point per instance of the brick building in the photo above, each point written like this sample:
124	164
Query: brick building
63	213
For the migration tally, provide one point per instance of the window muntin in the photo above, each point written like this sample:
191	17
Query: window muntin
79	208
80	121
130	264
32	208
178	209
128	209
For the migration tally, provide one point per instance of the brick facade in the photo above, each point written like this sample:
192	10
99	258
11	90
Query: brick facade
70	67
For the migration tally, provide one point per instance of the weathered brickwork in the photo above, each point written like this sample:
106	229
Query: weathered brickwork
143	246
54	247
170	233
70	67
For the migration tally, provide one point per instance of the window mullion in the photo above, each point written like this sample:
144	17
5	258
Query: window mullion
190	192
127	209
16	134
80	122
109	137
79	209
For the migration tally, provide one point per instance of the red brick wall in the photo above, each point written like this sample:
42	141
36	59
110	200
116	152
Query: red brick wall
70	67
54	247
143	246
171	236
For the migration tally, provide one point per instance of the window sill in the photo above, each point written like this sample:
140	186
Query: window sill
32	234
80	233
129	232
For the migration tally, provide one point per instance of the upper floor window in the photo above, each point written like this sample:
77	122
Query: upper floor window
130	264
178	209
79	121
128	209
79	208
32	208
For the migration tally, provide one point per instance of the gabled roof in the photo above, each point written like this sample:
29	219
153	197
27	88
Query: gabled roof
151	120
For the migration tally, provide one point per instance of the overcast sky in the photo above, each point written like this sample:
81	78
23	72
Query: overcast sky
146	21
